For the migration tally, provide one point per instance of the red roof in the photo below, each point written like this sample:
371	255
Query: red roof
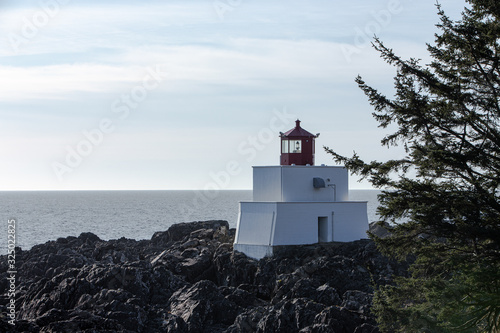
298	131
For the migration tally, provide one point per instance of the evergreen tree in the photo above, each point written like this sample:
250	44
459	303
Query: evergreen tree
447	118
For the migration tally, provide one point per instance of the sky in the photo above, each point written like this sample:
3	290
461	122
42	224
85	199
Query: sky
166	95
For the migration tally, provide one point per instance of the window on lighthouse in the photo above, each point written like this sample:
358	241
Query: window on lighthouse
296	146
291	146
284	147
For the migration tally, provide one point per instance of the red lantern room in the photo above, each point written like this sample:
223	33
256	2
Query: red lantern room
297	146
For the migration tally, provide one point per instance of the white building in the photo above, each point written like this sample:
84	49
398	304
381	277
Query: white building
298	203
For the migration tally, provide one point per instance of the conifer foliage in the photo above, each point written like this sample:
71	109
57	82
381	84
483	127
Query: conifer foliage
446	187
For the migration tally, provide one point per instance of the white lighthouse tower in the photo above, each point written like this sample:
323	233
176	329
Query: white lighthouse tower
298	203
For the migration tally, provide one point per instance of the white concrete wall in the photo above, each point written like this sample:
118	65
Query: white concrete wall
255	223
254	251
267	183
350	221
294	223
297	223
295	183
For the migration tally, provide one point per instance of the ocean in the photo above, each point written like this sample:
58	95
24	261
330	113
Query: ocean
47	215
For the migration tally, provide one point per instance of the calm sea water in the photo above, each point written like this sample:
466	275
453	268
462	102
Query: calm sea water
47	215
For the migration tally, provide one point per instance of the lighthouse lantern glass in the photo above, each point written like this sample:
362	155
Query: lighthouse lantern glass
297	148
284	147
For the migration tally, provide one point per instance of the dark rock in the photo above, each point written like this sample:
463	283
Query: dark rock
248	320
380	229
318	328
50	316
233	268
196	268
188	279
290	316
366	328
24	326
174	324
341	319
241	297
180	231
327	295
357	301
202	306
89	237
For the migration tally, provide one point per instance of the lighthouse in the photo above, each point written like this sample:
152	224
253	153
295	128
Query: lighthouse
297	146
298	203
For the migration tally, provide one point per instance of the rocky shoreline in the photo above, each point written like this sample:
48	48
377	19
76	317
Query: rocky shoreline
188	279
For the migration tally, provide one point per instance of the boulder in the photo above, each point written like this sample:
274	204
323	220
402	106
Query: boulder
179	231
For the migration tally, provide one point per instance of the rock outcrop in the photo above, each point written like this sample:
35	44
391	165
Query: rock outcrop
188	279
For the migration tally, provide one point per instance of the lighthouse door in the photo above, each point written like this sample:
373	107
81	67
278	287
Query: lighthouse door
322	229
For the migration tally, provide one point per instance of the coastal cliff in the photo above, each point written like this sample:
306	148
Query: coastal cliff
188	279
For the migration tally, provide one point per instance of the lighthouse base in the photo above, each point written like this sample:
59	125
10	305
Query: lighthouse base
263	226
254	251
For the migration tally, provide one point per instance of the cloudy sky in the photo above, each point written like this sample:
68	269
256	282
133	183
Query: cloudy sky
190	94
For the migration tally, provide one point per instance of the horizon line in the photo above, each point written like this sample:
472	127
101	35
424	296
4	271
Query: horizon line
204	190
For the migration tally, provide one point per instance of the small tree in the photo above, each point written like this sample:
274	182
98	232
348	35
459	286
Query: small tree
446	187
